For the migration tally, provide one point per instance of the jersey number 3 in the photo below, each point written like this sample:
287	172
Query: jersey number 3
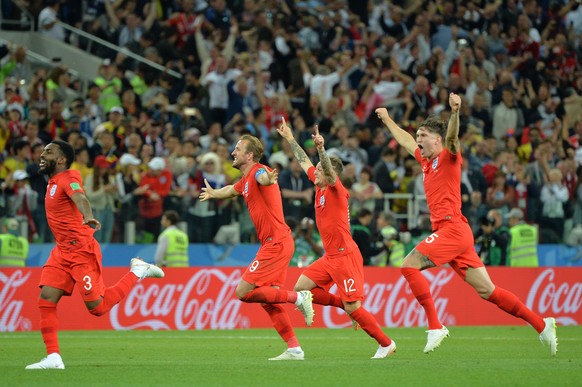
88	284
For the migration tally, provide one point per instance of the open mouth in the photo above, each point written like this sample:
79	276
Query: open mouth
420	146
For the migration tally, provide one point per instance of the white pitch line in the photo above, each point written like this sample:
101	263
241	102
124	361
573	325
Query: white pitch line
64	335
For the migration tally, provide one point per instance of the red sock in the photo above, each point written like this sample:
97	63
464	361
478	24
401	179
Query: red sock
508	302
321	297
269	295
114	294
282	324
49	324
370	326
421	290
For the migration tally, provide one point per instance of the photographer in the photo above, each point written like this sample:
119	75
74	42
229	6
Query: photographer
492	242
308	246
389	241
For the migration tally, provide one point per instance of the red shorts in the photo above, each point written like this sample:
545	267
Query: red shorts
452	243
346	271
83	266
269	268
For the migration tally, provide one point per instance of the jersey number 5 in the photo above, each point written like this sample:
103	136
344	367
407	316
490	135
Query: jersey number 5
431	238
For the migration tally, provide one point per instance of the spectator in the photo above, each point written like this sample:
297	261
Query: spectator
22	201
20	159
13	247
500	195
475	211
217	83
172	247
523	247
554	194
115	126
297	191
31	134
308	245
205	217
132	28
492	242
128	188
109	85
506	115
102	192
157	182
104	146
351	153
363	235
385	169
392	253
48	21
365	193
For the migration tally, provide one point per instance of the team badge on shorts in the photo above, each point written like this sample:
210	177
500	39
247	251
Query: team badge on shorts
53	190
435	163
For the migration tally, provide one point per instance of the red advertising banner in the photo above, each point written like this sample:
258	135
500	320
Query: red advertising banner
203	298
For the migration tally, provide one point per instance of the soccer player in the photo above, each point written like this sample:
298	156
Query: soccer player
342	264
262	280
437	149
76	258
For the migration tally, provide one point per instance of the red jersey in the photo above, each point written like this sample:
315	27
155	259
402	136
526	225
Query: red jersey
265	206
332	216
161	185
64	218
442	185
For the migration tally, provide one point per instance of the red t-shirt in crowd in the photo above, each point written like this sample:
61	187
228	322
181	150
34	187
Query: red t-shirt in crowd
159	184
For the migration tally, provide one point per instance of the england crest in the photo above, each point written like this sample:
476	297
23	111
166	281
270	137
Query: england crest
53	190
435	163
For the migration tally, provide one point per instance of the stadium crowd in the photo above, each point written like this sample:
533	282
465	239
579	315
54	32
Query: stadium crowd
145	140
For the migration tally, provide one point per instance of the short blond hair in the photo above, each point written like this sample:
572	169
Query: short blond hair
254	146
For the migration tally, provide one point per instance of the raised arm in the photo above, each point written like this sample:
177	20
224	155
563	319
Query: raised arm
326	166
208	192
113	20
403	137
452	139
152	15
285	131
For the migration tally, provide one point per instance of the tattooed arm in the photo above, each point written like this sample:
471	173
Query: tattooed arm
298	152
328	171
326	166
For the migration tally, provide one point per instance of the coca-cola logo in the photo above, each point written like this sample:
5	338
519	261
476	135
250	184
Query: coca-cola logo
154	304
396	303
11	319
559	300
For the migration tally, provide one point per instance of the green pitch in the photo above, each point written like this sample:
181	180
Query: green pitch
472	356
